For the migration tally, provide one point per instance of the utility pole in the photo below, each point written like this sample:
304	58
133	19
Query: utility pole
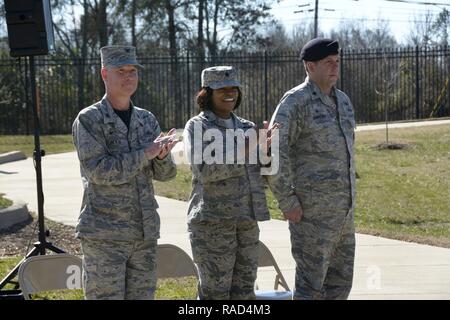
316	15
316	18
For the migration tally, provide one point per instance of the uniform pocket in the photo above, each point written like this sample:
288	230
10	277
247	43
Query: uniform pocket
321	121
116	141
348	117
349	123
145	135
348	126
321	135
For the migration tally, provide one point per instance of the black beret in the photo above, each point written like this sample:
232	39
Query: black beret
319	48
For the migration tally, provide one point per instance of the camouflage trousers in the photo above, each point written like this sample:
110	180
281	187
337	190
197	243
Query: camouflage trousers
323	247
226	254
119	270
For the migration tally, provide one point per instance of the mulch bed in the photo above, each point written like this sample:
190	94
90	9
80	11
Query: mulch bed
19	239
392	146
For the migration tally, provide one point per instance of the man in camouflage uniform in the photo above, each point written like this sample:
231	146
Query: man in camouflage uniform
121	149
315	185
227	199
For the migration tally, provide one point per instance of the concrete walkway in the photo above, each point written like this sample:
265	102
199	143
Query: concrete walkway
384	268
402	124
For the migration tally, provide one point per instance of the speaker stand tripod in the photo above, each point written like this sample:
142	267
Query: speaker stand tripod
41	245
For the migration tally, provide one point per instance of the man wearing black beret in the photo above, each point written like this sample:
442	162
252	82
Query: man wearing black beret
315	184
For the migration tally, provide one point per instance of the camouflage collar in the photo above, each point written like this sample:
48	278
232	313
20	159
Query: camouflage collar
316	93
212	117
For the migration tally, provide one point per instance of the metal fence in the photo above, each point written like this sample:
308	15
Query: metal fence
393	84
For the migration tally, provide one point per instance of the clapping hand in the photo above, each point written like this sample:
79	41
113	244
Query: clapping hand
169	141
264	144
294	215
162	145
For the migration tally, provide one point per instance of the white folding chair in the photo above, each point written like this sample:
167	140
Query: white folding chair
173	262
266	259
49	272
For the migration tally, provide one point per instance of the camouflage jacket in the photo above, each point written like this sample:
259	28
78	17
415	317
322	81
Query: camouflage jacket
223	191
316	157
118	201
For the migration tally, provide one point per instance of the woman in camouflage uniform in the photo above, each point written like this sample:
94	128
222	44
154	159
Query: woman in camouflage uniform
228	198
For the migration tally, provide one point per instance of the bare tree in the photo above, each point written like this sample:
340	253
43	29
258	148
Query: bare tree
421	31
241	18
2	20
212	18
142	22
441	26
274	38
74	40
388	88
99	9
200	34
380	36
301	34
351	35
173	28
356	35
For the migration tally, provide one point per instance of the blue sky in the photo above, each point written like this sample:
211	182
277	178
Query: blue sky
398	15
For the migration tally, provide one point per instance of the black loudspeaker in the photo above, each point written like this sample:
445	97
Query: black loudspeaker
30	28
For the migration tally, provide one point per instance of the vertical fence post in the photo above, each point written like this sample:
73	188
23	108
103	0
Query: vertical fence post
417	84
342	70
266	89
27	100
447	54
188	86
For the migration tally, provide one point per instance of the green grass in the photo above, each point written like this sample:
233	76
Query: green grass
405	194
272	204
6	265
51	144
178	188
176	289
167	289
4	202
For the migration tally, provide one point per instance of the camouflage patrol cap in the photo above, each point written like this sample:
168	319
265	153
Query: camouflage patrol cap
219	77
116	56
